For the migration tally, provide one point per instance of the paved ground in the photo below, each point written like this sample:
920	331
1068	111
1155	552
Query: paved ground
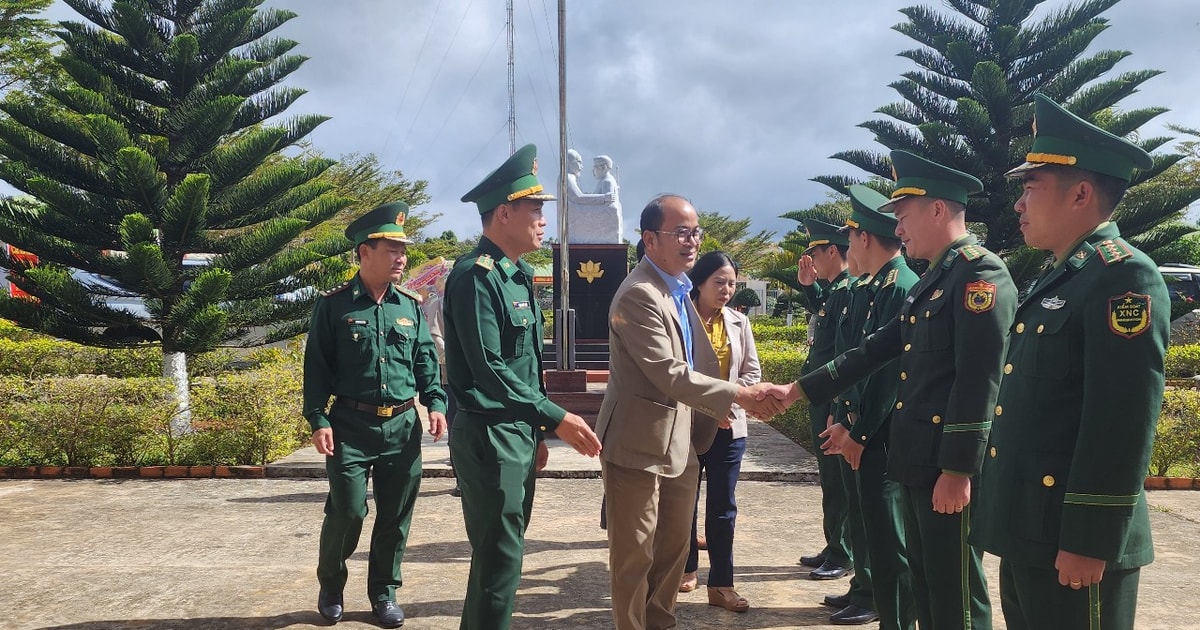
239	554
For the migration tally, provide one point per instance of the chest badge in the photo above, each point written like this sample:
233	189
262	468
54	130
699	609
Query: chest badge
937	293
980	296
404	321
1129	314
520	305
1053	303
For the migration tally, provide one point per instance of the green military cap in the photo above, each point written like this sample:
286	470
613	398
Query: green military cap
822	233
917	177
865	214
386	221
515	179
1069	140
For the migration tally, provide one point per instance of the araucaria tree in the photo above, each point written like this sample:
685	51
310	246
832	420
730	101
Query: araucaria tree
970	106
164	143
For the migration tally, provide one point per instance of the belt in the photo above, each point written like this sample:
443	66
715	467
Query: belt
383	412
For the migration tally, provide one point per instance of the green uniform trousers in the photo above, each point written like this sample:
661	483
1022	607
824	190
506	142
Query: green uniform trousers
833	494
389	449
948	582
494	460
882	517
861	589
1032	599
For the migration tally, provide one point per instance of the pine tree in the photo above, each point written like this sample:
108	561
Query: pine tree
970	105
25	45
165	142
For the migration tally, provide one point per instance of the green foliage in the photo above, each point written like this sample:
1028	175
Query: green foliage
1177	437
783	366
26	47
37	357
156	146
745	299
82	420
968	104
767	329
1182	361
732	236
247	417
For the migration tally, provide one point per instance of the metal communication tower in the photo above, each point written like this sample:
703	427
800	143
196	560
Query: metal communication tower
512	85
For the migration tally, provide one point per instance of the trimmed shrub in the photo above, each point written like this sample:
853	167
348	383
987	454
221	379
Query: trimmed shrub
783	366
1177	438
249	417
1182	361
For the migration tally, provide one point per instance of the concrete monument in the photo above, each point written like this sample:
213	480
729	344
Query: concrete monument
594	217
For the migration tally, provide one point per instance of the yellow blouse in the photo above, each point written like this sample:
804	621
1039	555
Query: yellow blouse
719	341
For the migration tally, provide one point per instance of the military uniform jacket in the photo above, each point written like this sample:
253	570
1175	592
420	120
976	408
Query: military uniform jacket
950	336
1081	397
848	337
493	329
828	303
377	354
873	398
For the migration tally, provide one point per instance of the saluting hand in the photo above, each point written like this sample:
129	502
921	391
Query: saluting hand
323	439
806	271
437	425
574	431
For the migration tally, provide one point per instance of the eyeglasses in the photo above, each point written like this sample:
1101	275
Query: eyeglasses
683	234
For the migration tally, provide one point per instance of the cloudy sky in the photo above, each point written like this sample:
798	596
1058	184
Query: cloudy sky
734	104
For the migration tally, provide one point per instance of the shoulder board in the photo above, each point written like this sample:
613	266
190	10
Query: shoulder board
337	289
410	293
972	252
862	282
1113	251
891	278
485	261
840	284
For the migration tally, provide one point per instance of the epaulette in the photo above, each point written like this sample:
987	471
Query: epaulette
972	252
410	293
485	261
891	278
337	289
1113	251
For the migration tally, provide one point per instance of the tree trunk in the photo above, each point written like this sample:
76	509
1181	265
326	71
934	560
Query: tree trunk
175	368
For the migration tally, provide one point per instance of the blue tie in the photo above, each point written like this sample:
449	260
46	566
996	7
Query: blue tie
680	296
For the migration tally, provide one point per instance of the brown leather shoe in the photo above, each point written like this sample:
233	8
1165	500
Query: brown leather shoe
689	582
727	598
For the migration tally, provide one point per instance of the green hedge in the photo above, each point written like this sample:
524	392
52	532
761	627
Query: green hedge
43	357
250	417
1177	438
783	366
1183	361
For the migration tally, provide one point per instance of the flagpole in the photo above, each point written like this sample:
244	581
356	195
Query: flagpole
565	321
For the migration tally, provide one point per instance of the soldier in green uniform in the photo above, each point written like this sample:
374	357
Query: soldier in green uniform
861	436
951	336
493	329
825	260
1061	500
369	347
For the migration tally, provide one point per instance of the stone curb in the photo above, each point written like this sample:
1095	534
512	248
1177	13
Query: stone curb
132	472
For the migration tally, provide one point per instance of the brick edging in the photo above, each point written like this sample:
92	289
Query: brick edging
1172	483
132	472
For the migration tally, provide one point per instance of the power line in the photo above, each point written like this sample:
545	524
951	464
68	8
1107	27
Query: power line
437	73
412	75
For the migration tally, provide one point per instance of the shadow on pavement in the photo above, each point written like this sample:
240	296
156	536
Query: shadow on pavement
204	623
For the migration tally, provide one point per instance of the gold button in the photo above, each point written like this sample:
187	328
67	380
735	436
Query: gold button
907	347
937	419
864	438
384	386
1048	481
1020	327
927	314
1008	368
912	319
542	428
993	451
524	320
847	403
999	410
899	404
1041	327
904	376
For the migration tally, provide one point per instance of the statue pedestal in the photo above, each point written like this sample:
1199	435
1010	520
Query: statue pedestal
596	272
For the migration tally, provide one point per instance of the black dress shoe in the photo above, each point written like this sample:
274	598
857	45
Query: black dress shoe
853	616
330	605
837	601
813	561
389	614
830	571
455	492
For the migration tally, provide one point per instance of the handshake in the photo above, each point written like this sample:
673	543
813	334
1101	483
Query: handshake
764	400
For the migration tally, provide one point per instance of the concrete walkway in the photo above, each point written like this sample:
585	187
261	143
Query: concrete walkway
202	554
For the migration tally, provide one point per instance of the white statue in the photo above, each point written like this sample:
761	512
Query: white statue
594	218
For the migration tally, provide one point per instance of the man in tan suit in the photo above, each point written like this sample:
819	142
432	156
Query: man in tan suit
661	368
